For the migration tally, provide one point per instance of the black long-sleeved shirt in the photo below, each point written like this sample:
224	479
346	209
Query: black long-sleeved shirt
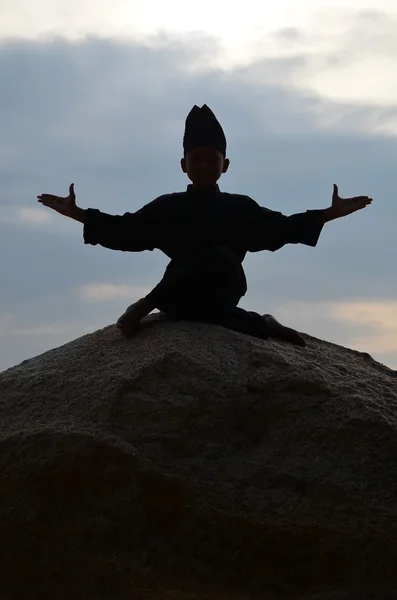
175	223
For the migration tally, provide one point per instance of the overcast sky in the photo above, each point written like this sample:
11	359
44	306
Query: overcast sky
97	94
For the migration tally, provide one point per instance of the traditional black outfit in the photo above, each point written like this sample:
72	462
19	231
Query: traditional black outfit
206	234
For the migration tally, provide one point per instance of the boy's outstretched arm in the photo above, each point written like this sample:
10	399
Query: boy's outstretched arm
273	229
133	232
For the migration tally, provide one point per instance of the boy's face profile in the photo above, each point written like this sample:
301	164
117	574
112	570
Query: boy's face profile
204	166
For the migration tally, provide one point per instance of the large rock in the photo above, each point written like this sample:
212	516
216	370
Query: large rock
193	462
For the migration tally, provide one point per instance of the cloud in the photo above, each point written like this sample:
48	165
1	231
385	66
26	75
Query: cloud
380	317
109	116
339	54
366	326
47	330
32	215
24	214
99	292
22	338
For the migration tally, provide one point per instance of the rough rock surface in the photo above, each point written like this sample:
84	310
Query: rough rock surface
197	463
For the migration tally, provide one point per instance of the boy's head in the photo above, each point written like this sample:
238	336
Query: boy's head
204	146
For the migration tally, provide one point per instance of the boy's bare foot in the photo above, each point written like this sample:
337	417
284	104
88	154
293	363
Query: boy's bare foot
276	330
128	323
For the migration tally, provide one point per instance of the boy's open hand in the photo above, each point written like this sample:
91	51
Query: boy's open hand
342	207
65	205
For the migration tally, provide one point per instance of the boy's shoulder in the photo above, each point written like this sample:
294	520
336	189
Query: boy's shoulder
171	195
172	198
239	199
163	201
168	198
242	197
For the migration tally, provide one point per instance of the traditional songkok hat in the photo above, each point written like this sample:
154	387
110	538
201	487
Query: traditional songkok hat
202	128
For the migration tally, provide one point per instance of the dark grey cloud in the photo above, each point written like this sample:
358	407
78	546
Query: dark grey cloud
109	116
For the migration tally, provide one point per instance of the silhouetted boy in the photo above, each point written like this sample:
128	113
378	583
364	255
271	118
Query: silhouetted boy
206	233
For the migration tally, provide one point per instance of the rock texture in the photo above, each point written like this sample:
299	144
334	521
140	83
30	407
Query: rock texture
197	463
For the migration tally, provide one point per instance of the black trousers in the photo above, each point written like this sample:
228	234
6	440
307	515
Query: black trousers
206	285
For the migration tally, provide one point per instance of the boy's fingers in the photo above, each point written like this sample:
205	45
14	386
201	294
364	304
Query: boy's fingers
71	189
50	204
47	197
358	202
